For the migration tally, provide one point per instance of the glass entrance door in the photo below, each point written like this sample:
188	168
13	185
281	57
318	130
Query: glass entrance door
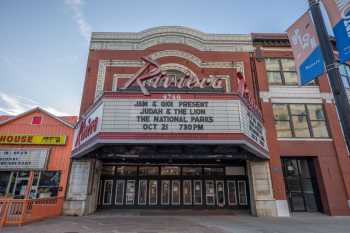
175	186
165	192
187	192
301	185
220	193
153	192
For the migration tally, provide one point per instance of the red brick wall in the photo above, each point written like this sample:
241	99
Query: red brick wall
330	157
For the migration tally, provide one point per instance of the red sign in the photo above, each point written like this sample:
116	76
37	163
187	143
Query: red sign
150	75
243	91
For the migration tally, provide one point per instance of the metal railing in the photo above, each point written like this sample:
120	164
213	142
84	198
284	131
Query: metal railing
22	211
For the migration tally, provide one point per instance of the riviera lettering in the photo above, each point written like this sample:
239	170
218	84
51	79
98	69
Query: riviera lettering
87	128
150	75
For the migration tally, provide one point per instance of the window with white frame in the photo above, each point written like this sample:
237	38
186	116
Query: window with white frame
300	121
282	71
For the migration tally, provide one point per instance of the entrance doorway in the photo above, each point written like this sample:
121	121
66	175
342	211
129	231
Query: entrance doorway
173	186
301	185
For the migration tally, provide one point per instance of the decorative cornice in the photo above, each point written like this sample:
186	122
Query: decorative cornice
171	34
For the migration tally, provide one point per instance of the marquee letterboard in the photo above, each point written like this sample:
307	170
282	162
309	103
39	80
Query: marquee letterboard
171	116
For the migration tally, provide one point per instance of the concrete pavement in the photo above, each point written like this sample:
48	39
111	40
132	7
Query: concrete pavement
103	223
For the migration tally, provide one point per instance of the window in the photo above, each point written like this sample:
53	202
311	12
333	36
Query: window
344	71
191	171
127	170
4	181
49	183
300	121
36	120
170	171
281	71
148	171
108	170
213	171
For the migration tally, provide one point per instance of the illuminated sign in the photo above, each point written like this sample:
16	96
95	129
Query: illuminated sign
150	76
88	126
24	159
26	139
172	116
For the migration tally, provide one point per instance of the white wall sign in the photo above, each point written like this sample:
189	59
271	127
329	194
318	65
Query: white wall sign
24	159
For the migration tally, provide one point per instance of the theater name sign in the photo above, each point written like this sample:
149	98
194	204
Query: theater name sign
177	112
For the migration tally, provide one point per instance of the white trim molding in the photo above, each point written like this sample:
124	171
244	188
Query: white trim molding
171	34
305	139
296	94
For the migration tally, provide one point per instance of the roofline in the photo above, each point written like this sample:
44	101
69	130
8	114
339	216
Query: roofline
40	110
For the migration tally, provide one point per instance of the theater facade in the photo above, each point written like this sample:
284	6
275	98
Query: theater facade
174	118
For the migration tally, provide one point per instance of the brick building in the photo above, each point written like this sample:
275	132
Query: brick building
172	117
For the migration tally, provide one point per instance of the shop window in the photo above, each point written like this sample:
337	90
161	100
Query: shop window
148	171
282	71
170	171
49	184
19	181
127	170
36	120
4	182
300	121
191	171
35	185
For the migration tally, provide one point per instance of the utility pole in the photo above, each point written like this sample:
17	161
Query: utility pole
340	97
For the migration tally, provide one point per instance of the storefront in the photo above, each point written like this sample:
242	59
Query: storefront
34	165
18	165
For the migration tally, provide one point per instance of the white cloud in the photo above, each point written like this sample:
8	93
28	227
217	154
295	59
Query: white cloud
78	16
14	105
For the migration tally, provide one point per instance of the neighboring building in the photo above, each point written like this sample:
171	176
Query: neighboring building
35	155
176	118
309	158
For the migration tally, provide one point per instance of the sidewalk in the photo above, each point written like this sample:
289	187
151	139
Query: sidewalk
100	223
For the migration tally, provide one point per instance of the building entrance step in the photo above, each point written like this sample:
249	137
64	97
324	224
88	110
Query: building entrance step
162	212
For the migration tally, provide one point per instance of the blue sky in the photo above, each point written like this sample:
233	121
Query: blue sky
44	43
